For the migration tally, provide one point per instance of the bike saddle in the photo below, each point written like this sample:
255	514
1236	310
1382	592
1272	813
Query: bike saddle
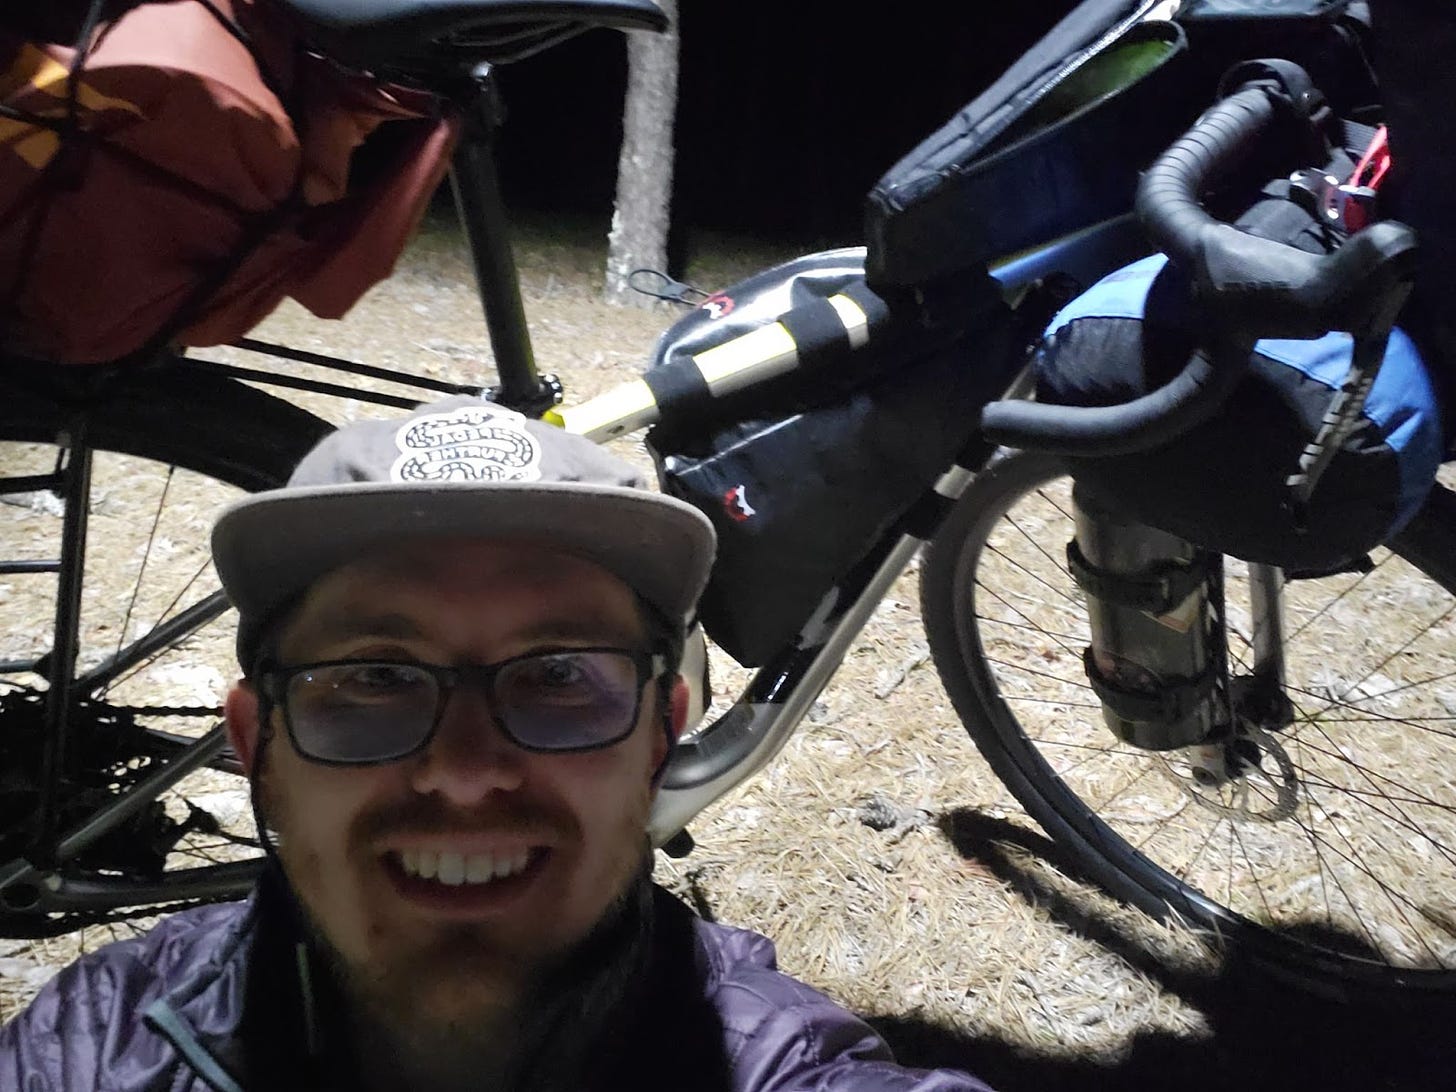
431	39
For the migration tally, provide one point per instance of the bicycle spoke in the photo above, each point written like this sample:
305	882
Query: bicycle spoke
1398	901
141	576
1347	823
1034	672
176	632
130	837
145	649
1072	608
1029	627
1071	650
1344	594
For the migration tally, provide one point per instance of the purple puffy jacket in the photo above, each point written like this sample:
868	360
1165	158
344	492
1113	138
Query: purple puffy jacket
162	1012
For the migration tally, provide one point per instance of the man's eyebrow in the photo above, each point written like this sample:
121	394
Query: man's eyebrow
574	629
590	629
363	624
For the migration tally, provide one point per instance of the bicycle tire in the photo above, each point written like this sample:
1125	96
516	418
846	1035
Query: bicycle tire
171	446
1332	873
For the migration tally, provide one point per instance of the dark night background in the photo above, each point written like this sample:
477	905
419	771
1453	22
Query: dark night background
787	114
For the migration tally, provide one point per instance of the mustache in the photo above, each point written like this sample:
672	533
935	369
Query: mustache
428	817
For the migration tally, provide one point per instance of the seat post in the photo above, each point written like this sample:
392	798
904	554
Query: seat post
481	209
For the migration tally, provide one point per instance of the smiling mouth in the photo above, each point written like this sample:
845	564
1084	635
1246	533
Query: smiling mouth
460	869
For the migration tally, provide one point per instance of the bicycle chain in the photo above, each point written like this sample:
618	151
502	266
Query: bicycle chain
168	711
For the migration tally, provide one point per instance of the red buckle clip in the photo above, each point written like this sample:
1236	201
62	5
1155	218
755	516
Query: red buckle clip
1357	196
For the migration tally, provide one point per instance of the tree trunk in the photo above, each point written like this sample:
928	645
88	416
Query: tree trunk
638	237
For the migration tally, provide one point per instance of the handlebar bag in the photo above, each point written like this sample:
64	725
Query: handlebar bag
1221	484
802	475
177	172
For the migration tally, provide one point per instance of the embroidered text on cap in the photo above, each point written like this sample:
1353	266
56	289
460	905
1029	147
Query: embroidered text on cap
471	443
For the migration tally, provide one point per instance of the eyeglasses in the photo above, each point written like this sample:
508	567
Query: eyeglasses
360	712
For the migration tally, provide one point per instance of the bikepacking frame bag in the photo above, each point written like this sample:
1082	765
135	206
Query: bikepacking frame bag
801	476
1221	485
169	175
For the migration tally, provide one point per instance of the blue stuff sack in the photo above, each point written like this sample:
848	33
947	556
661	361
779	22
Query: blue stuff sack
1221	484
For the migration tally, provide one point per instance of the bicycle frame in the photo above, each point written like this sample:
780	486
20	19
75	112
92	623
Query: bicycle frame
722	755
708	764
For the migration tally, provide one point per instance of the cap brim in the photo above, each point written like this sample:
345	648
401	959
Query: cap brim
268	549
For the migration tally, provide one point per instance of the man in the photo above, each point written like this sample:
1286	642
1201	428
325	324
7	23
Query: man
460	636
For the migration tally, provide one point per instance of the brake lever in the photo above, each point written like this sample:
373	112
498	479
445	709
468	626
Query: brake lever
1367	353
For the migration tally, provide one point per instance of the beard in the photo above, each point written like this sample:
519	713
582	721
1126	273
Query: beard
543	1039
463	1006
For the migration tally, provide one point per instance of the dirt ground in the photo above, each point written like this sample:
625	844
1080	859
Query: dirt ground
953	925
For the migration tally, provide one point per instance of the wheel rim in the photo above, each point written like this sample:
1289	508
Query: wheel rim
1353	867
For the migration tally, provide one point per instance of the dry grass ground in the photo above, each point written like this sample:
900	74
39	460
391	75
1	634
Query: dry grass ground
953	926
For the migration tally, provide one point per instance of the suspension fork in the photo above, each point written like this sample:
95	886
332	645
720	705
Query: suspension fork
1262	695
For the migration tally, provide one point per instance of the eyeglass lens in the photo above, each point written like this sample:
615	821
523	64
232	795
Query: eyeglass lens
375	711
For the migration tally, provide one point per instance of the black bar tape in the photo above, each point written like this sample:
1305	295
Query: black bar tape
679	390
818	333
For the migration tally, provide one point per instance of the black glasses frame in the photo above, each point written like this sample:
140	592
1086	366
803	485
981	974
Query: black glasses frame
275	680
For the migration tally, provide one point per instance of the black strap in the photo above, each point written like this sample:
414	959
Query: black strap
875	308
1157	589
680	391
1291	81
818	332
1174	700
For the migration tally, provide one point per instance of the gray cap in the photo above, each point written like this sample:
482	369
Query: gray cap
460	467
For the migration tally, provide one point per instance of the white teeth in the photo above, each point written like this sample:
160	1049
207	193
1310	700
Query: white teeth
452	869
455	869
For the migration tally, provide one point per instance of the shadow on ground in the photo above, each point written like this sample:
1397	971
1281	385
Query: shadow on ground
1265	1035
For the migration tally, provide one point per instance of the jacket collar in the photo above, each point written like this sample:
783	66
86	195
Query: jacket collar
200	1016
205	1016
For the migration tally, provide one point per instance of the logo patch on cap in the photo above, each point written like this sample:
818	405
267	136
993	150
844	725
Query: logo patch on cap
468	444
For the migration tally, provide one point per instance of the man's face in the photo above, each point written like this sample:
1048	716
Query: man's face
566	829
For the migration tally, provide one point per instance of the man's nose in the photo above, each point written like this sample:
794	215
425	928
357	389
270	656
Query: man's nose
469	757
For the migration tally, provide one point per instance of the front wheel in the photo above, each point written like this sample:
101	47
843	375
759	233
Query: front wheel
1332	857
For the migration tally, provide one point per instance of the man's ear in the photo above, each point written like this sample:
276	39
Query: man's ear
243	727
675	720
677	707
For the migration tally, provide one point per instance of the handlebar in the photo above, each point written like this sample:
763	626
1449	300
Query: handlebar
1245	288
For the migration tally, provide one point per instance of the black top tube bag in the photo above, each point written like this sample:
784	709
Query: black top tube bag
1056	144
1052	146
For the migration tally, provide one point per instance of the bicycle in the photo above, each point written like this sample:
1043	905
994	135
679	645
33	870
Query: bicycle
99	850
